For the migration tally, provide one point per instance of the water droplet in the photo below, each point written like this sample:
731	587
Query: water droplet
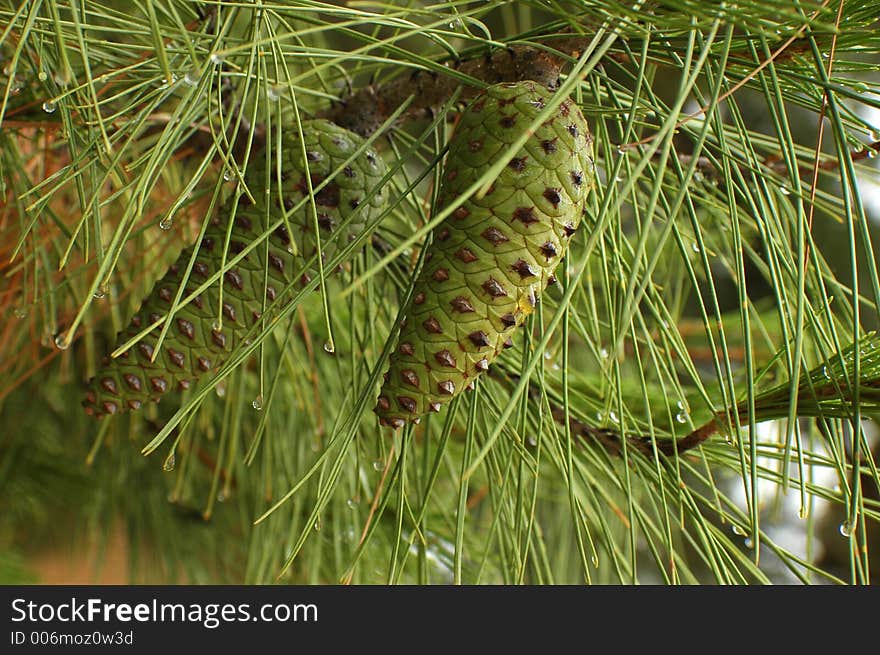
221	497
860	87
612	416
166	223
532	441
217	325
621	149
49	107
846	529
62	341
352	503
749	542
600	416
737	530
350	535
220	390
698	176
784	190
257	403
603	353
837	489
170	462
42	76
19	312
619	178
695	246
378	465
329	348
217	58
681	417
802	513
61	79
192	77
318	524
825	372
227	175
169	82
274	92
595	560
871	153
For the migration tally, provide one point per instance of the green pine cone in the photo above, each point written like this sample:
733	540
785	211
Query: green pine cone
490	260
192	347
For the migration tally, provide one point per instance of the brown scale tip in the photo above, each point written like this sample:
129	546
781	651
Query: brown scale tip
383	404
409	376
466	255
407	403
461	213
526	215
462	305
446	387
434	407
445	358
494	236
493	288
432	325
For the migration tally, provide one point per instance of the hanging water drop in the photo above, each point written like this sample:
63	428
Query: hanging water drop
227	175
698	176
825	372
100	292
220	390
221	497
603	353
846	529
352	503
166	223
42	76
318	524
216	58
681	417
802	513
192	77
378	465
170	462
695	246
217	325
49	107
737	530
532	441
749	542
329	347
274	91
62	341
19	312
594	559
784	190
257	403
612	416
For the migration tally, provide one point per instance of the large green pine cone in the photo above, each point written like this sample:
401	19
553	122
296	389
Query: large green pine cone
490	260
192	347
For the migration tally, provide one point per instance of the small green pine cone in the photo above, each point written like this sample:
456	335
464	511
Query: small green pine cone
192	347
490	260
